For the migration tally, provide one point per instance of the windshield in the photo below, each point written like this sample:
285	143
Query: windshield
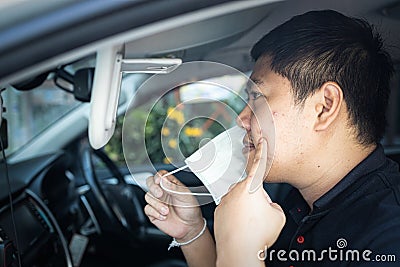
172	122
28	113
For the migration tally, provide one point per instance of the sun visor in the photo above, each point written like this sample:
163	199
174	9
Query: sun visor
110	65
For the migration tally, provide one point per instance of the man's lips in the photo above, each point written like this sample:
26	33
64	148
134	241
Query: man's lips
248	145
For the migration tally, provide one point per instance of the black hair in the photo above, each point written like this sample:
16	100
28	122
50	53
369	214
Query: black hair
321	46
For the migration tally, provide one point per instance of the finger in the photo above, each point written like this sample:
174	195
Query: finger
267	196
171	178
154	188
158	176
277	206
152	219
152	212
171	184
150	181
257	171
231	187
156	204
180	194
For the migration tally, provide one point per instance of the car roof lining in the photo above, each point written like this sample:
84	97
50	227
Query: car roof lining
187	36
232	45
136	33
370	10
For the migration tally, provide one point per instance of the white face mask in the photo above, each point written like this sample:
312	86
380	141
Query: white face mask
218	164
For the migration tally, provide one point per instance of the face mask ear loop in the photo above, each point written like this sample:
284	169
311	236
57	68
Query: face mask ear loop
176	192
175	171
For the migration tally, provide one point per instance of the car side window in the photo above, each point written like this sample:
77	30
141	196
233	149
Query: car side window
29	113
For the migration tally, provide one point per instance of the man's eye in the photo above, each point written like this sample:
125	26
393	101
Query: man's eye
254	95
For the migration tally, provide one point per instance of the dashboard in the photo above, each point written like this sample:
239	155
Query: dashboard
46	211
59	222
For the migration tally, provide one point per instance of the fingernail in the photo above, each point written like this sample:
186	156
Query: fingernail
164	210
162	217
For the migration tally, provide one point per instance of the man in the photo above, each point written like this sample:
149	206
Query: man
326	80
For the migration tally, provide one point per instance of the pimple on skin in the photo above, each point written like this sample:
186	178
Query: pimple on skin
275	114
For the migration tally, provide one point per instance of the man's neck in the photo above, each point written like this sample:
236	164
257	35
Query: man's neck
333	167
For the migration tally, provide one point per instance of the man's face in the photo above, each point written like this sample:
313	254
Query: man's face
272	114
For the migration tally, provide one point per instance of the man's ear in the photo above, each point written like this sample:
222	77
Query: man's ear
328	106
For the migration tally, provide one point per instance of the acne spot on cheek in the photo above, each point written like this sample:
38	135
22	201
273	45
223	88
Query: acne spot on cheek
276	114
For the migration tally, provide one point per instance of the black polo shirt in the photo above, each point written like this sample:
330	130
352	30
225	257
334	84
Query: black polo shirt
356	223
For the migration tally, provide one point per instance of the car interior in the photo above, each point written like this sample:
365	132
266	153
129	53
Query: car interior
84	84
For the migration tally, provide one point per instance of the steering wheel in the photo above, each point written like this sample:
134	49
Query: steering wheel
119	202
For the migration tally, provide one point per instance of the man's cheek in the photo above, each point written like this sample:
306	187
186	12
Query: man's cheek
263	123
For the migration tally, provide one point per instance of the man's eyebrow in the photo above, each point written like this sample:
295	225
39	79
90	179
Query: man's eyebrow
257	81
250	83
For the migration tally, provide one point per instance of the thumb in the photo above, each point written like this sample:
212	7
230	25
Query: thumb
276	206
267	196
256	174
171	184
163	173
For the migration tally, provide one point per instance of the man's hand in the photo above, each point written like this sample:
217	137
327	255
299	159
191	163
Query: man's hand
179	216
244	222
176	215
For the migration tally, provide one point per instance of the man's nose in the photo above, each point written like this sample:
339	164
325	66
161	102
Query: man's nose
244	118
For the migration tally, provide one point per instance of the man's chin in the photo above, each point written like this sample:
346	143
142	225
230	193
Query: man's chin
271	178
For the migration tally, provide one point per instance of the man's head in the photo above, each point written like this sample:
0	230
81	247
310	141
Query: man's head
332	79
323	46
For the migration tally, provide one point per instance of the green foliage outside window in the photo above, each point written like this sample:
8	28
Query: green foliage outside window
167	120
